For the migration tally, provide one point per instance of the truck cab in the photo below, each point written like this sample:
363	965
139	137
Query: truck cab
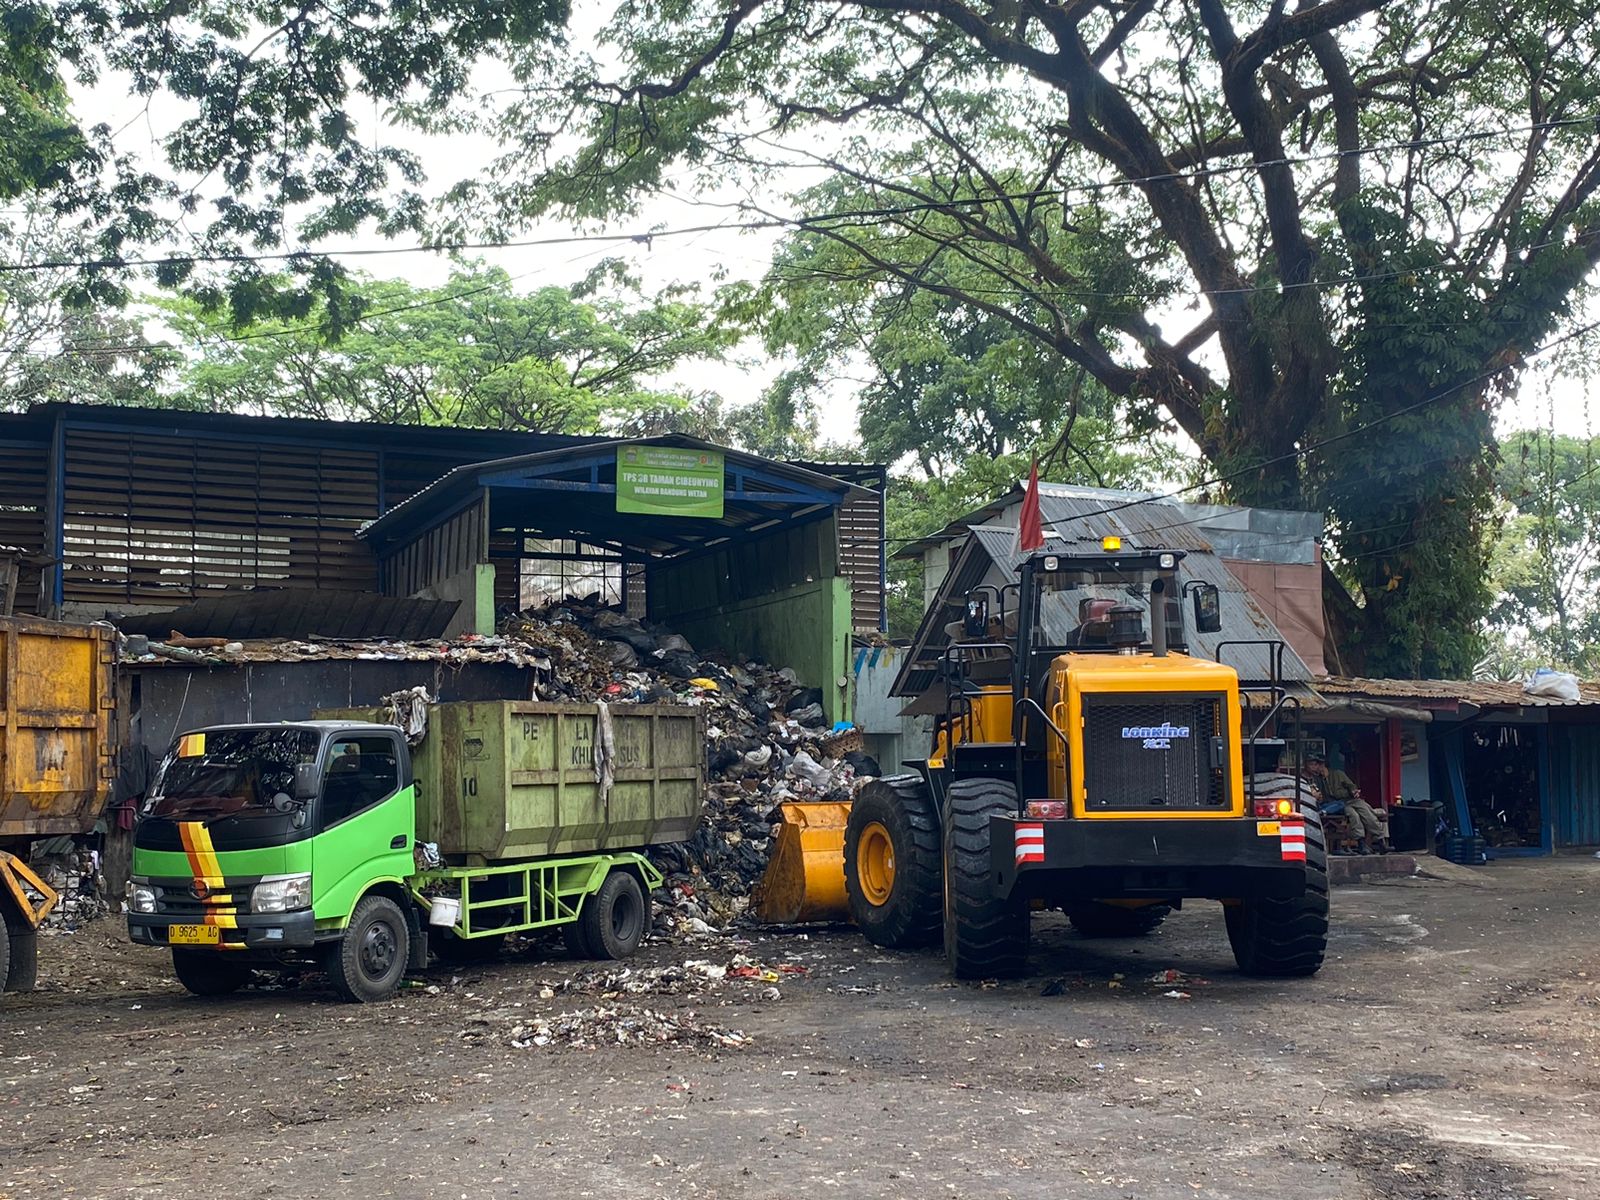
259	844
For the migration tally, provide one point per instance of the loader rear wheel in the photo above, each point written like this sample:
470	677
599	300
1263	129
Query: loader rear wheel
985	937
19	951
209	972
1098	920
1286	938
893	867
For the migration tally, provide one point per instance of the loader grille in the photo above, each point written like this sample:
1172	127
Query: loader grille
1157	753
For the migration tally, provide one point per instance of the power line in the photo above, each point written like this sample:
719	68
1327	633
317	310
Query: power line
818	220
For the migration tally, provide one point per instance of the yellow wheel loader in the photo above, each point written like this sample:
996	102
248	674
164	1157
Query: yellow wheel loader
1102	771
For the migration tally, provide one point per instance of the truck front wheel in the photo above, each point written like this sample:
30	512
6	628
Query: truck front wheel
893	873
367	963
985	936
1285	938
209	972
614	918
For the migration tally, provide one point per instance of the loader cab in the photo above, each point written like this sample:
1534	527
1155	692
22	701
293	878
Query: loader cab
1004	669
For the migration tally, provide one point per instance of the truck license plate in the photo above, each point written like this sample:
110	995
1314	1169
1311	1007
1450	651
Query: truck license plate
193	935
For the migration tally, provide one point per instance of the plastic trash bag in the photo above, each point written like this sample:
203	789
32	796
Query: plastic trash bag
1554	685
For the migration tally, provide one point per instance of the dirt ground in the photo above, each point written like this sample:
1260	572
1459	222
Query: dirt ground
1450	1048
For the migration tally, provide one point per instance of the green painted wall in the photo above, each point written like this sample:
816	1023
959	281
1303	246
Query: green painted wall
806	627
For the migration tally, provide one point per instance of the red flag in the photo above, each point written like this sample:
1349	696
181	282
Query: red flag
1030	527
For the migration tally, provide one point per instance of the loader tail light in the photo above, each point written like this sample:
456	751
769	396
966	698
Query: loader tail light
1046	810
1274	808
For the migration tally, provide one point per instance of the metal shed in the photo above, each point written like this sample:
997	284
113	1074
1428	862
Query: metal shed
767	577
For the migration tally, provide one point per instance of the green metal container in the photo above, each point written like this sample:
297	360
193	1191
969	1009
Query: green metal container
503	780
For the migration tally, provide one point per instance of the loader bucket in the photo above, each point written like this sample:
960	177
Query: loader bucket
805	876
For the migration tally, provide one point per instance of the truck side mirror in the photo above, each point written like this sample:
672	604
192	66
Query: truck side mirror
976	623
307	781
1207	608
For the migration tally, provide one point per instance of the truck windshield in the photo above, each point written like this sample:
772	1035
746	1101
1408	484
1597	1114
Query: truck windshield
227	772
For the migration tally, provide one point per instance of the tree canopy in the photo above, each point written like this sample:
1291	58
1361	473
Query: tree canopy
1546	564
1319	239
471	352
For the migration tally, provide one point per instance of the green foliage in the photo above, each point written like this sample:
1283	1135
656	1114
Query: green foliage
1028	167
54	350
38	139
1104	181
473	352
280	140
1546	561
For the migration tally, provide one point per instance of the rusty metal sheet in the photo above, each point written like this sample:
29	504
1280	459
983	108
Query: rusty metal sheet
299	613
57	753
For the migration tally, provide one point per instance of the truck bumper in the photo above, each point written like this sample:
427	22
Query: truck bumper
1213	858
263	932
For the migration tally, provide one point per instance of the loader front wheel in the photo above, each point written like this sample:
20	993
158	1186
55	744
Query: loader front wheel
985	936
893	867
19	950
1286	938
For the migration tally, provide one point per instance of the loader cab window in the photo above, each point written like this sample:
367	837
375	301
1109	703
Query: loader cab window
360	772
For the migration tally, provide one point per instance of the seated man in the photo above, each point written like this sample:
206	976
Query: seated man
1366	823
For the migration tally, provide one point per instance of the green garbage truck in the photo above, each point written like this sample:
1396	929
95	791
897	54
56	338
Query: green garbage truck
338	843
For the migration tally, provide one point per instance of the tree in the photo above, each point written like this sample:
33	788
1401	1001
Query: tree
473	352
1546	565
51	349
38	139
278	145
1320	239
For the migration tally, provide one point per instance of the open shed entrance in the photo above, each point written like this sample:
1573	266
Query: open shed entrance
733	551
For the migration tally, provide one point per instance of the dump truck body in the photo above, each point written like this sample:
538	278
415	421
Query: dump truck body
57	763
333	842
502	780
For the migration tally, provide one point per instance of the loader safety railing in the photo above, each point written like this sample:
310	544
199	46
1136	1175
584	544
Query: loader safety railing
1281	702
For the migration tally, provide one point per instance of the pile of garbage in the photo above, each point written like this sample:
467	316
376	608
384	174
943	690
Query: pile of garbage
768	741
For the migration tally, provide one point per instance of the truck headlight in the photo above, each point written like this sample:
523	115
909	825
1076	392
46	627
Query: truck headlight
141	897
283	894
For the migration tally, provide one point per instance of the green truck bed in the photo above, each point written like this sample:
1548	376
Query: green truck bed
507	780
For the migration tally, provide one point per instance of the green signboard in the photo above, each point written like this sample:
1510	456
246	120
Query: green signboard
669	481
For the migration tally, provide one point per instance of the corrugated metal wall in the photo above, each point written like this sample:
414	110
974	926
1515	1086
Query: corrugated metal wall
1575	784
152	518
22	512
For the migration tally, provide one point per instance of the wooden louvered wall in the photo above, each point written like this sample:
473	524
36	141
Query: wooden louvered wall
152	518
24	474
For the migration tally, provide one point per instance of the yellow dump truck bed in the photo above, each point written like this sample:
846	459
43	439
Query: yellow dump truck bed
57	749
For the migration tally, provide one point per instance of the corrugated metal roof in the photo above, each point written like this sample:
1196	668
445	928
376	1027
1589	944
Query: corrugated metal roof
401	520
1233	531
1483	693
